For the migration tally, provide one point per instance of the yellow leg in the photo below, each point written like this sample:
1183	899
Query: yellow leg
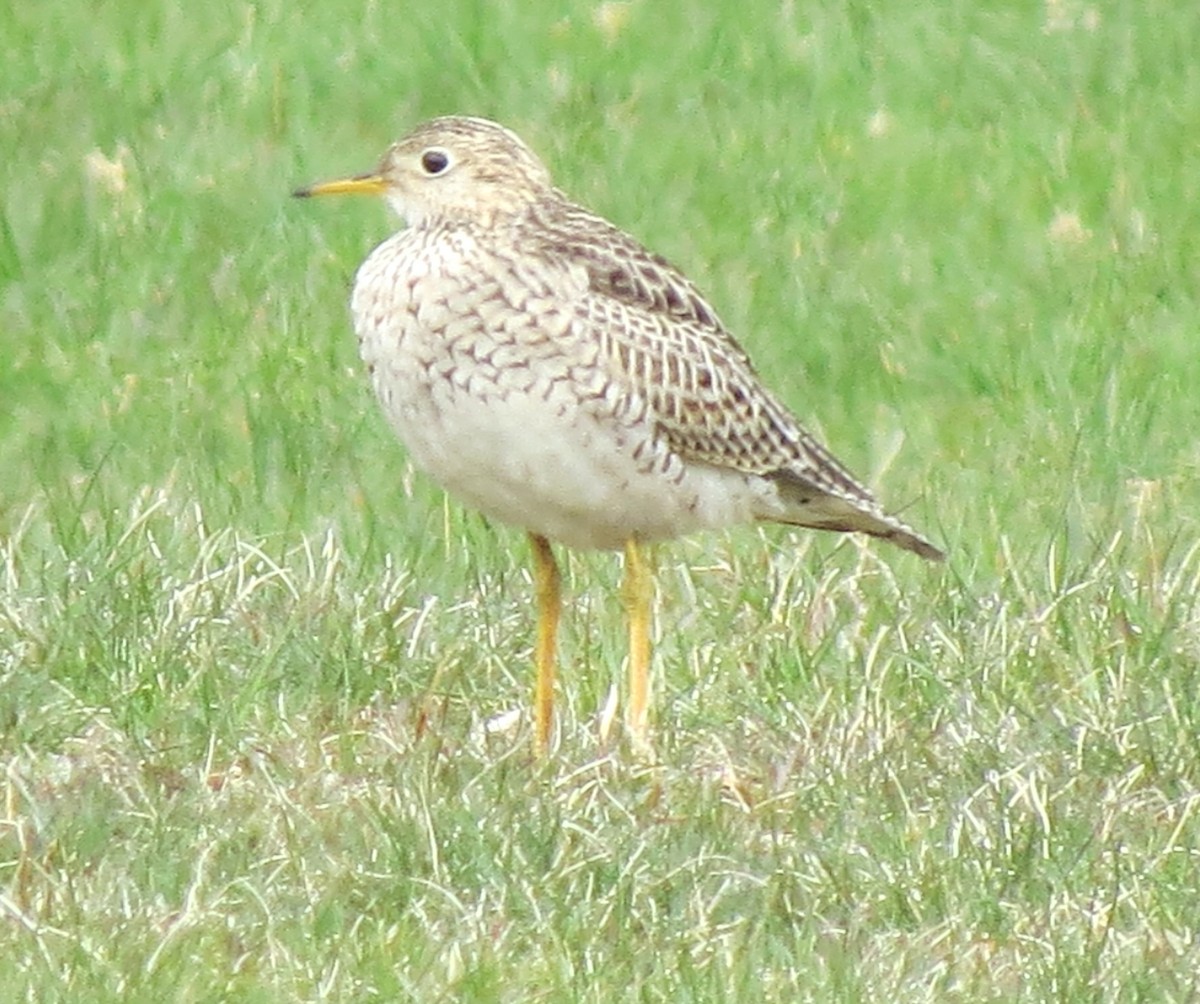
548	584
639	595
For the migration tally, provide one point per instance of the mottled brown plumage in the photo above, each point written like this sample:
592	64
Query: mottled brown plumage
547	369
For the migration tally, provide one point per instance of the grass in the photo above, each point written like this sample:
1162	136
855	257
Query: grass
259	682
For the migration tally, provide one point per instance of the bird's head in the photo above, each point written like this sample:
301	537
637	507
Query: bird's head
451	169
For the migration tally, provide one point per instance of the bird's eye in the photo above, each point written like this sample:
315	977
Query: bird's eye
435	161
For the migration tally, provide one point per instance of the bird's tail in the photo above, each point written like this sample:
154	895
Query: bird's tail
849	509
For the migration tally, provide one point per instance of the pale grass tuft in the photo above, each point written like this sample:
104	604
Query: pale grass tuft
880	123
1068	15
611	18
1066	227
108	173
109	180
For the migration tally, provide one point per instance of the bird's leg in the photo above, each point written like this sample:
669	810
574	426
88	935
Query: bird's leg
639	595
548	584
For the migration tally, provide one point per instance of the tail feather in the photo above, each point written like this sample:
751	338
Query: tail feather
848	511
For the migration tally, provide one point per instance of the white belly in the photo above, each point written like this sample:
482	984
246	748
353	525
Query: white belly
544	466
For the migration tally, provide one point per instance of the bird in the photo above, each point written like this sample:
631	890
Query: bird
548	370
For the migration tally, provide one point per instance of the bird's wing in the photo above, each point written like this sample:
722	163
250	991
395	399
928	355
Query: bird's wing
662	339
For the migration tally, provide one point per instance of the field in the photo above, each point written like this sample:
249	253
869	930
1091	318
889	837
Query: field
264	689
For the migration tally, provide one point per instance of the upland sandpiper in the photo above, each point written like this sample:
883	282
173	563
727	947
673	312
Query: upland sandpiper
546	369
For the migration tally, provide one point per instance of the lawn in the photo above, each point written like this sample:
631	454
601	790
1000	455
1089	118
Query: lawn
264	690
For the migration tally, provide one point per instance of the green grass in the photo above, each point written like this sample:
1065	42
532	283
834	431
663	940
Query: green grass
257	679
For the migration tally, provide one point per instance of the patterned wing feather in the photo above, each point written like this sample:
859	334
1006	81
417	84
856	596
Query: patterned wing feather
661	336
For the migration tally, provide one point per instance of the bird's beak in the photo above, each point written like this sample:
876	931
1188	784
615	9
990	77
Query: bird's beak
363	184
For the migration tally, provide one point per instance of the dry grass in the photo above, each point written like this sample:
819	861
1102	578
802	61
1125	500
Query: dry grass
861	798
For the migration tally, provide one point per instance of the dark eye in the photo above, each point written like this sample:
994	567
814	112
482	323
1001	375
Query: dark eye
435	161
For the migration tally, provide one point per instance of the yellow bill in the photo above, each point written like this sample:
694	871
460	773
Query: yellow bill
362	184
